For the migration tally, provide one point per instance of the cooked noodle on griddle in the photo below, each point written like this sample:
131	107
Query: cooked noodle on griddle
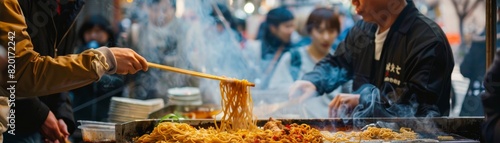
238	124
372	133
182	132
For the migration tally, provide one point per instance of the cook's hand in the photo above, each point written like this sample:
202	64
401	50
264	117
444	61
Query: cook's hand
63	128
302	90
342	104
128	61
50	129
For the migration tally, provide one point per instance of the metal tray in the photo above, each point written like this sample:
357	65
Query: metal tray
466	129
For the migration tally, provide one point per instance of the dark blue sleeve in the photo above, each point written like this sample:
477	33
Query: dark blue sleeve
333	70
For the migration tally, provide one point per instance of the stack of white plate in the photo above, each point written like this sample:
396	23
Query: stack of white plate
184	96
127	109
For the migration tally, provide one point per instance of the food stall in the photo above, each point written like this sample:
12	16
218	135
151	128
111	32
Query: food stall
432	129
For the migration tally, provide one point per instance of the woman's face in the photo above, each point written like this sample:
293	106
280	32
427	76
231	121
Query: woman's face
162	13
284	30
97	34
323	38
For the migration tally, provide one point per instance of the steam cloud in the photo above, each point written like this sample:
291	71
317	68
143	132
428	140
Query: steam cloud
199	46
374	103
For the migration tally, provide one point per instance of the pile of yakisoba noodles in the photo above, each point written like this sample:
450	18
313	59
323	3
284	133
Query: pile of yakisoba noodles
372	133
238	124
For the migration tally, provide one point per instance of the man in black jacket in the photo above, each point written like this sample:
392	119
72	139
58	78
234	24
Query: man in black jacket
50	24
396	49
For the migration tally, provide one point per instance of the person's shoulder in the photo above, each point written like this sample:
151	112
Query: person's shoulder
302	50
425	35
426	29
361	29
253	44
287	56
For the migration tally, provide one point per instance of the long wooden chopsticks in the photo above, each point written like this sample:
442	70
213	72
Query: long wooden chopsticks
189	72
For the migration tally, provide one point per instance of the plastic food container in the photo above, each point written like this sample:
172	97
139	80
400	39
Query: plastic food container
97	132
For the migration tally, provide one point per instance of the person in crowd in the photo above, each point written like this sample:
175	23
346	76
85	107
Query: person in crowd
472	67
346	24
274	40
44	67
95	32
323	27
241	26
159	40
396	49
136	13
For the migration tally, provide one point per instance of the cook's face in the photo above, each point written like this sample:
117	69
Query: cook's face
284	31
370	9
322	38
96	34
162	13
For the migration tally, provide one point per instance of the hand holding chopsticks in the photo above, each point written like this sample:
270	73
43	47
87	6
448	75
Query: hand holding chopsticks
193	73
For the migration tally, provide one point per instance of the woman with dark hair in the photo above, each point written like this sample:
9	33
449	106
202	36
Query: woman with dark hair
323	26
274	39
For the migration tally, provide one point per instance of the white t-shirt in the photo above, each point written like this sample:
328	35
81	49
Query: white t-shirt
379	42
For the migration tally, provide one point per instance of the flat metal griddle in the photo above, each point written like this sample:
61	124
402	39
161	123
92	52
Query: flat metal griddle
464	129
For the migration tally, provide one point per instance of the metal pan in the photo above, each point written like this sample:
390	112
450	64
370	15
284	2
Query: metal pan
466	129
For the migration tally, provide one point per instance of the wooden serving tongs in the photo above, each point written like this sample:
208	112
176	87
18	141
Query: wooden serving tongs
193	73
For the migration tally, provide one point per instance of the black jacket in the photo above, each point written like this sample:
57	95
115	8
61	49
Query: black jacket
491	128
416	62
47	28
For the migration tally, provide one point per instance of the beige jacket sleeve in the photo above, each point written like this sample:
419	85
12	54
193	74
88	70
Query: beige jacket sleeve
43	75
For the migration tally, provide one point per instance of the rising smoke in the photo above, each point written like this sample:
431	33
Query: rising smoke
200	46
375	103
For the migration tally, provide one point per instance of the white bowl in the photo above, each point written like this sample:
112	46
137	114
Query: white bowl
184	91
